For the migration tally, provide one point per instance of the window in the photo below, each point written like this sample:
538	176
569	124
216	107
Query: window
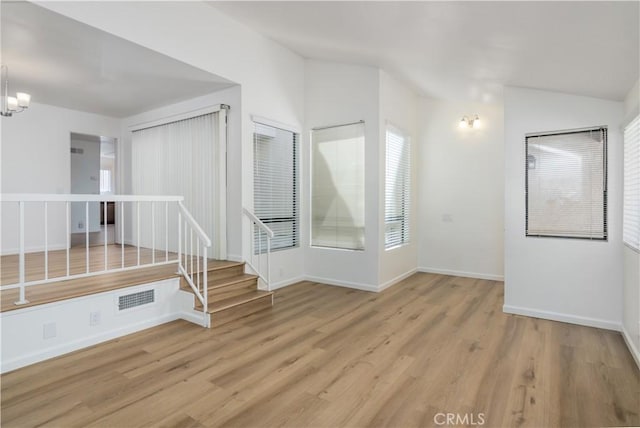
397	189
566	184
275	181
337	187
631	219
105	180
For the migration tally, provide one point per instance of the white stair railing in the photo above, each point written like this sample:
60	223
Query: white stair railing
194	273
153	235
259	231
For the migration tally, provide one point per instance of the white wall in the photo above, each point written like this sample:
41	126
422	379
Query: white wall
271	76
35	158
461	189
631	262
569	280
398	107
337	94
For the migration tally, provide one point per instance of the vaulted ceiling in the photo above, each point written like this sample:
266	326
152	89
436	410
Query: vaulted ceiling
464	50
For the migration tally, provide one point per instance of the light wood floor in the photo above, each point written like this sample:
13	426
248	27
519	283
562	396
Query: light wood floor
332	357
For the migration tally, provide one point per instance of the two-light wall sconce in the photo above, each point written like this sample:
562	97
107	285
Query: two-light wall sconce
467	122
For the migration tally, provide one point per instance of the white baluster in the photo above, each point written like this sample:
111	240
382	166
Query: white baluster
68	214
166	231
138	229
104	216
86	234
122	234
21	300
153	233
46	242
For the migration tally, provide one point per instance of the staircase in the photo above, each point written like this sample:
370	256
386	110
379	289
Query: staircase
232	294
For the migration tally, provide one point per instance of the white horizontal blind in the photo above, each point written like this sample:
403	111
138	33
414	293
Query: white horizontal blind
337	188
567	184
631	220
275	180
397	188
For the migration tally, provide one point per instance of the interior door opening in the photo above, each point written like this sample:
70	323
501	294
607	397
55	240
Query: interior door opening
93	171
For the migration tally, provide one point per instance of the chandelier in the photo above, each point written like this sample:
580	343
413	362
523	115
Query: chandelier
11	105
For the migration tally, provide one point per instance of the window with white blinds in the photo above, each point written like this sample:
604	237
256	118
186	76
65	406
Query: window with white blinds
631	219
337	187
275	185
397	188
566	184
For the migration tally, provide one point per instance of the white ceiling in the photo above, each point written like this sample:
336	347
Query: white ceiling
464	50
66	63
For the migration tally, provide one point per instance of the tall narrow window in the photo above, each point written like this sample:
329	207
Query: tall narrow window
337	189
631	219
566	184
397	189
275	183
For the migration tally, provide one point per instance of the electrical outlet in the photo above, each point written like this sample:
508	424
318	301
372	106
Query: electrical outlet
49	330
94	318
80	225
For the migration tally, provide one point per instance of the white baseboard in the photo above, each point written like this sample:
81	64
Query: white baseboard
287	282
65	348
635	352
32	249
556	316
489	276
396	280
338	283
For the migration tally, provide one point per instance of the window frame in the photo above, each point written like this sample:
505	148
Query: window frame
635	122
407	199
605	162
259	121
311	187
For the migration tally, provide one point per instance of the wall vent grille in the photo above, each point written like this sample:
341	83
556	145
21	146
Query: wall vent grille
133	300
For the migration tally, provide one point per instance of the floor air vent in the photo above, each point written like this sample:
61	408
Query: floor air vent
133	300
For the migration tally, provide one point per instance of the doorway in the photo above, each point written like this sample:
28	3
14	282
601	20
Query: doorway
93	171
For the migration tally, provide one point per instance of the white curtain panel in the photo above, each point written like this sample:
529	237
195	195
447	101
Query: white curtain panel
183	158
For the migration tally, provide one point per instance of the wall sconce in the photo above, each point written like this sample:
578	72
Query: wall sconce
11	105
465	122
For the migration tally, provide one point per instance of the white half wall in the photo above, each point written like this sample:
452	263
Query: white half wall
41	332
35	158
572	280
460	189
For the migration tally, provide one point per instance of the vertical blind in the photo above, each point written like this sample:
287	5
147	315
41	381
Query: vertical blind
566	184
397	188
184	158
337	187
631	220
275	183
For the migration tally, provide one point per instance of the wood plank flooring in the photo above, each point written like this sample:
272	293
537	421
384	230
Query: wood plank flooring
334	357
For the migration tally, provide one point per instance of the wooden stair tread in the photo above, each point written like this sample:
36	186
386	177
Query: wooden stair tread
214	265
225	282
230	302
